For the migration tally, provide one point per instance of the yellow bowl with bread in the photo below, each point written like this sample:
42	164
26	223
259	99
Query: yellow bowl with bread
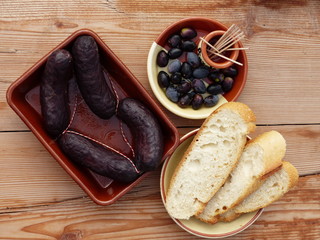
194	225
216	183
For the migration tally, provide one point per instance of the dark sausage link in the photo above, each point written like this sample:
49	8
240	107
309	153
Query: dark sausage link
98	158
54	92
146	131
91	80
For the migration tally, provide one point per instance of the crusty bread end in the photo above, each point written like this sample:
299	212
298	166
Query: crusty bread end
274	145
273	188
244	111
281	181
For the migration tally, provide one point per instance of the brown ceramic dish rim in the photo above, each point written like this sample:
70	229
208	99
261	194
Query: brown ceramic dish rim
41	61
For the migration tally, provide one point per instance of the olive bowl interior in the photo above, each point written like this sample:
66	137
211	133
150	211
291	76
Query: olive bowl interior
193	225
203	26
23	97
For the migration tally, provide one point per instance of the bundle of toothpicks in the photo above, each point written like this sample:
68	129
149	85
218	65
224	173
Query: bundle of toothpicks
226	43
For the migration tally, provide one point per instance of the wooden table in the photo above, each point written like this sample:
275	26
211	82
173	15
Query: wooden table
39	200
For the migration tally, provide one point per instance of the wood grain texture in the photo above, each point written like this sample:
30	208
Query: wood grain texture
282	38
29	174
140	215
30	169
39	200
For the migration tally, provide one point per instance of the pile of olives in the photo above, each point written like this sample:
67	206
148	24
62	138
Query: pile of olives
187	81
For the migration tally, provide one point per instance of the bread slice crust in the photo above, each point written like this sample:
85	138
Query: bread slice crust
243	110
292	177
260	156
245	118
290	174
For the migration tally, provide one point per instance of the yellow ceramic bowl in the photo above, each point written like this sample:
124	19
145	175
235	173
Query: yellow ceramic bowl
203	26
193	225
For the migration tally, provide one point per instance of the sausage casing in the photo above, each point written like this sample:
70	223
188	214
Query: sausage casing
91	79
54	92
98	158
146	131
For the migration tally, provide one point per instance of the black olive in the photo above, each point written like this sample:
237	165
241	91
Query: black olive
211	101
163	79
227	84
200	72
176	77
162	59
216	76
188	33
172	94
193	59
174	66
199	86
214	89
188	46
174	53
197	101
230	72
184	87
185	100
174	41
186	70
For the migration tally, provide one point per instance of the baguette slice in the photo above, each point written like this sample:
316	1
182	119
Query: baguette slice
209	159
274	187
260	156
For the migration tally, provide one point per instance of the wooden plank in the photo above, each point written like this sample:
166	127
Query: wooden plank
282	53
29	174
39	200
26	167
140	214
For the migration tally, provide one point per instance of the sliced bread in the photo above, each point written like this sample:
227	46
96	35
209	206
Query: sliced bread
209	159
273	188
260	156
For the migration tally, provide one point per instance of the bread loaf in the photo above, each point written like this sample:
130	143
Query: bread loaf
209	159
260	156
274	187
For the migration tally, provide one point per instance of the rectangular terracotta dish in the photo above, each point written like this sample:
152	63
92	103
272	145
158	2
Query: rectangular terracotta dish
23	98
